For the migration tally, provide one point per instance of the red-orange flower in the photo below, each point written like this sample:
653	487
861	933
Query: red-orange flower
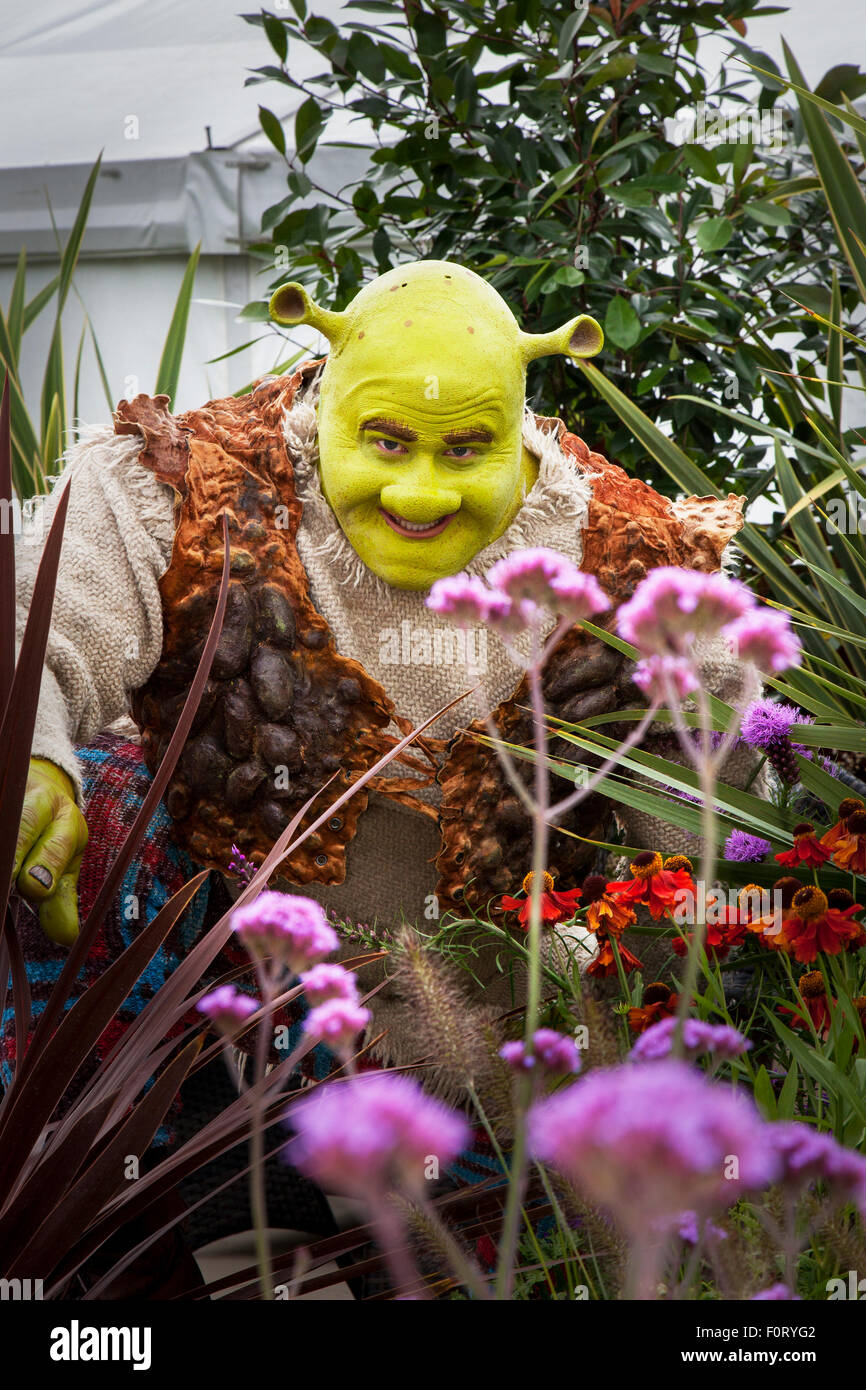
807	849
816	926
605	962
767	926
659	1001
605	914
849	851
555	906
847	808
608	919
814	995
653	884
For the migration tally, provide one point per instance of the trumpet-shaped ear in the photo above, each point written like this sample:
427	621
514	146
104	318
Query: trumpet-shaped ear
580	337
291	305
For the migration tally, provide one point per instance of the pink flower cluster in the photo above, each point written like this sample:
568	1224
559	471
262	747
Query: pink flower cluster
699	1038
808	1156
290	928
654	1139
227	1008
552	1052
336	1018
336	1023
673	607
518	591
359	1136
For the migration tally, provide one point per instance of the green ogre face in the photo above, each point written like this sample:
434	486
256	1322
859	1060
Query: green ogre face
418	485
420	415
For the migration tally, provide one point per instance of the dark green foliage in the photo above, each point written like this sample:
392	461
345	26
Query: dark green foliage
529	141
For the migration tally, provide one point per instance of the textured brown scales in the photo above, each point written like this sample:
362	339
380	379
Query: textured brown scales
281	696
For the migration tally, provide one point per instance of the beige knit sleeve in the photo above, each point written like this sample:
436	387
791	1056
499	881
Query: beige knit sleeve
106	626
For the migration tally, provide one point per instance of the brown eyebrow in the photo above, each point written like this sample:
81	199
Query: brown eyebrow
392	427
468	436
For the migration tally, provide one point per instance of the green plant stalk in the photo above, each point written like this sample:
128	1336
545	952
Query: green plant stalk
707	768
517	1180
258	1201
464	1268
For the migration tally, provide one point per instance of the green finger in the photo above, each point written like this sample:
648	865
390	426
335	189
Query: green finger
50	857
58	915
36	816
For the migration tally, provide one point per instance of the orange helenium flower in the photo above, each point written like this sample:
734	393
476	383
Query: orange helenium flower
769	926
849	852
652	885
659	1001
808	849
606	915
814	995
816	926
555	907
840	829
605	962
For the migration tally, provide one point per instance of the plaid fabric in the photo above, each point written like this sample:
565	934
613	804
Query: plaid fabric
116	781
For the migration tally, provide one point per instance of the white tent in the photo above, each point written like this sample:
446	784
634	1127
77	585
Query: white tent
158	86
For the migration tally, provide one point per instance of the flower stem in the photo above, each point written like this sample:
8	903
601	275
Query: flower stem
517	1182
258	1202
707	770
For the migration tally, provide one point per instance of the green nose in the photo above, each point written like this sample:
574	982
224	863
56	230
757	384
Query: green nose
419	504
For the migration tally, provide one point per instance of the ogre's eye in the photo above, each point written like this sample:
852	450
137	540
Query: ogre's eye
460	451
392	447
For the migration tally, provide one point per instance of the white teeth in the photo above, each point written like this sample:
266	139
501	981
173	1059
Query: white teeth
416	525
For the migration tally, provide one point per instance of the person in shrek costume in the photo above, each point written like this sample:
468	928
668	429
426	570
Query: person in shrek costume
350	486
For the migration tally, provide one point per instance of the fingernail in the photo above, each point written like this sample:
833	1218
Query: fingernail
42	875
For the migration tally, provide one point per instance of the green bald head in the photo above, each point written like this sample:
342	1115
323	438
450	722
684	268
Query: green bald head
421	414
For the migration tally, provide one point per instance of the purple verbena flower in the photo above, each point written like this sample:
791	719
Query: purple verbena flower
689	1229
673	606
765	637
363	1135
287	926
227	1008
654	1139
698	1038
742	848
808	1157
240	865
329	981
336	1023
552	1052
776	1293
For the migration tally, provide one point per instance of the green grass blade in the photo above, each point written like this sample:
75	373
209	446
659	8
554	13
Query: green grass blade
39	300
834	356
172	353
845	199
16	305
69	259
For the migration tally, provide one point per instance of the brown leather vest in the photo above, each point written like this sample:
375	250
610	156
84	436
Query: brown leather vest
280	696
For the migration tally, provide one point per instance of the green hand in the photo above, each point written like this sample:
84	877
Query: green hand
50	847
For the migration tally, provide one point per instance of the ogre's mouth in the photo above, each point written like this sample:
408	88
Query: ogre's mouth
416	530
